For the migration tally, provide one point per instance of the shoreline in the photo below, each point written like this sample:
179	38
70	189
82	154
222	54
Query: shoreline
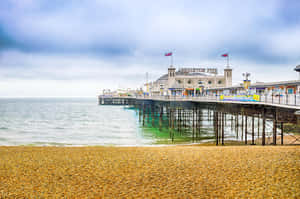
287	142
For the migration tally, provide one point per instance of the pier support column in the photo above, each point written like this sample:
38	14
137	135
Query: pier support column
246	129
231	123
242	126
237	125
148	113
252	131
281	133
140	114
161	117
274	129
264	128
144	113
193	123
173	124
220	126
200	122
153	115
216	125
223	124
258	126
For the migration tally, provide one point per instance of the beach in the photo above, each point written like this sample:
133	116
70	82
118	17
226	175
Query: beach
150	172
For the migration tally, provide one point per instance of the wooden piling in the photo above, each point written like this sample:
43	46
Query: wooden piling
144	115
161	117
246	128
223	124
220	126
258	126
237	125
193	123
231	123
264	128
252	131
242	126
281	133
216	127
274	129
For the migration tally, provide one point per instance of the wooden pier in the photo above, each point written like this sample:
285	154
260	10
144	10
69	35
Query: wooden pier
244	123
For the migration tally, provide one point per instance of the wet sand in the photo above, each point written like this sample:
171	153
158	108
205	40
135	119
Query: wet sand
150	172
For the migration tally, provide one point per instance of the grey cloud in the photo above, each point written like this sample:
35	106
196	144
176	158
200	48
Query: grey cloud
119	41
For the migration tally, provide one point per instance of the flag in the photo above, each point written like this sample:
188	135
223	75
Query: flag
168	54
225	55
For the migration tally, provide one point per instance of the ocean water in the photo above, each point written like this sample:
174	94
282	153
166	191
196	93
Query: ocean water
68	122
82	122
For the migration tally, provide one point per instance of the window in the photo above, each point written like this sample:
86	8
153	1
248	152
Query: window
200	82
189	81
219	82
209	82
179	81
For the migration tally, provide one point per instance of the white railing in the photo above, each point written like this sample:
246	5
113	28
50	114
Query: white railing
287	99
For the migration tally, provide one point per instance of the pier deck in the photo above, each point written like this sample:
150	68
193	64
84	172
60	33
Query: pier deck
285	102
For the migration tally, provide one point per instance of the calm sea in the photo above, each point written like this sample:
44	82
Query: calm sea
64	122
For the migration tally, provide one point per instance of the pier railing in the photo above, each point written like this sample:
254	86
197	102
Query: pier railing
287	99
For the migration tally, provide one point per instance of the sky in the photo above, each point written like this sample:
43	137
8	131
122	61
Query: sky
77	48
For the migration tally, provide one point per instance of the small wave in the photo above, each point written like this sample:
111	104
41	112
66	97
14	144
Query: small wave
60	128
3	128
3	139
48	144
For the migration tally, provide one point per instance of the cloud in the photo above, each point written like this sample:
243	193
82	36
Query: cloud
285	43
116	42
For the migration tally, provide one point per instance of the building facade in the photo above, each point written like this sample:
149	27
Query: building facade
190	81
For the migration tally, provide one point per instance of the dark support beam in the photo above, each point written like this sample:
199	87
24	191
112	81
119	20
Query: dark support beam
217	127
231	122
242	126
220	127
223	124
246	129
161	117
274	129
193	123
281	133
264	128
253	131
237	125
173	125
258	124
140	114
144	115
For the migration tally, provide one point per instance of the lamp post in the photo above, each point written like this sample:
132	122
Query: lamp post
246	81
147	84
297	69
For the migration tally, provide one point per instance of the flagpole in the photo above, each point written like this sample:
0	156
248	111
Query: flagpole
228	61
172	60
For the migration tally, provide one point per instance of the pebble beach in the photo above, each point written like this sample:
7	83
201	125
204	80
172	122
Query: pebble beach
150	172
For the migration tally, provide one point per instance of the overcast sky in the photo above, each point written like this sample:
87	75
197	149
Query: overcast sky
77	48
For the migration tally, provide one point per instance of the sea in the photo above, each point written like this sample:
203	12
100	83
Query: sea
82	122
69	122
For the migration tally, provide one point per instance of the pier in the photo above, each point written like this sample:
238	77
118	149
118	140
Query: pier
204	118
